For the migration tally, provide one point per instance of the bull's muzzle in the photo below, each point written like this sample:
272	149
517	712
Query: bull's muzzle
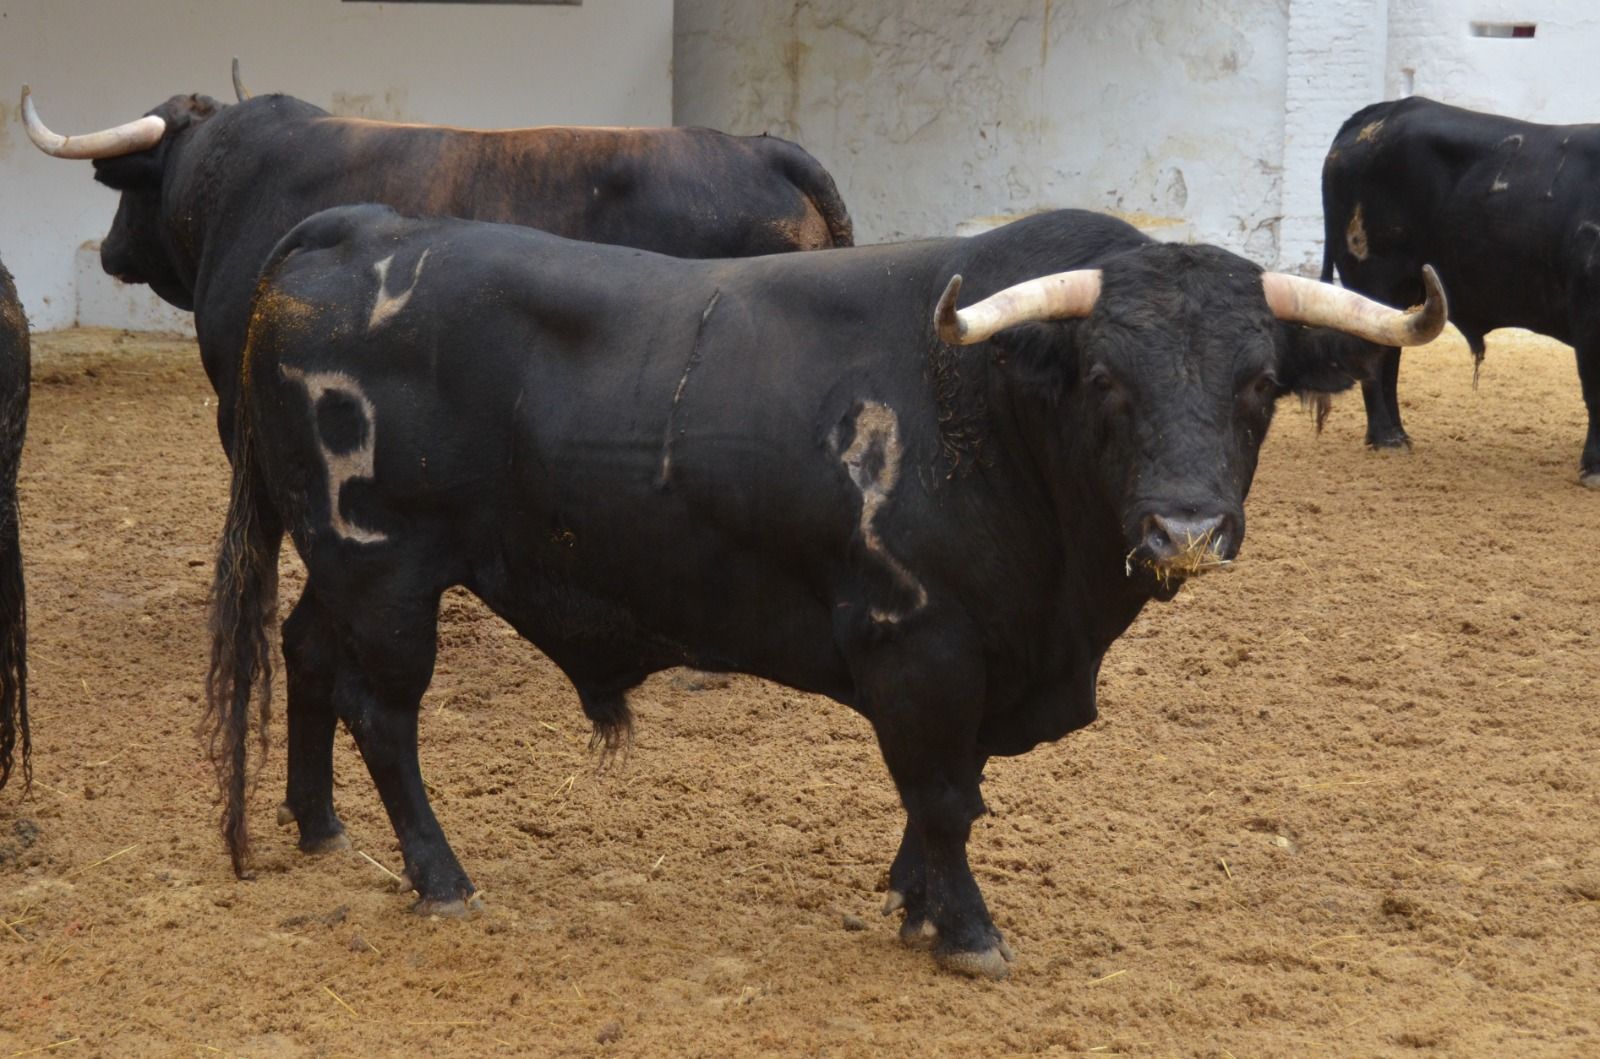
1176	547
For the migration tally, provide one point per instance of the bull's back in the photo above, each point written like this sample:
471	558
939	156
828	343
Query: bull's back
1490	201
684	192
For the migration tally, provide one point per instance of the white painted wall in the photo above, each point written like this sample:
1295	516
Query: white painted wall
929	112
932	111
94	63
1554	77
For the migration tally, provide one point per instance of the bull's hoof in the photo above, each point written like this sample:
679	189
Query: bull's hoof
1399	441
919	933
333	843
449	908
285	815
992	963
893	901
1590	479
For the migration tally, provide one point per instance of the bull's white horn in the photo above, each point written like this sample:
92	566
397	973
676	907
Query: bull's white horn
1054	297
238	85
1299	300
140	135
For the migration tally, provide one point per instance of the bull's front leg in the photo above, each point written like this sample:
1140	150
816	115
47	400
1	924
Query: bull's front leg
908	883
1382	399
932	755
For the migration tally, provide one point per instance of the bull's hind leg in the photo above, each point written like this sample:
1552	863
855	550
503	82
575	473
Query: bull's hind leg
908	881
1382	398
1589	376
386	663
310	655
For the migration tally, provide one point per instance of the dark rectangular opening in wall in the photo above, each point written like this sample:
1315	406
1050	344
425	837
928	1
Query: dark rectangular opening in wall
1505	30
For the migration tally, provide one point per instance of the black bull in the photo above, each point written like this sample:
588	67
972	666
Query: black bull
1509	213
773	466
14	365
203	207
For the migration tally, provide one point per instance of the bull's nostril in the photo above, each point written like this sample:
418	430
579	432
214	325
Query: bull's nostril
1182	534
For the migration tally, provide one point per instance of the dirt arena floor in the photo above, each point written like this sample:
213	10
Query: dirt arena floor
1343	800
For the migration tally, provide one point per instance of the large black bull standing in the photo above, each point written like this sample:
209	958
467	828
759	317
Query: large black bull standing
208	189
785	466
1508	211
14	365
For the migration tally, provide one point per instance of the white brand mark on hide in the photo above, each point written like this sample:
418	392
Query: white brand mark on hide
1500	183
341	467
878	433
386	305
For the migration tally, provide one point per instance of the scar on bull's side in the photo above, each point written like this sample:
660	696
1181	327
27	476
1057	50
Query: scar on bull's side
873	463
1355	235
1500	183
340	407
385	306
1370	132
693	361
1561	163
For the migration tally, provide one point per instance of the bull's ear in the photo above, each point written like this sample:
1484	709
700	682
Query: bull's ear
1319	360
1042	357
140	171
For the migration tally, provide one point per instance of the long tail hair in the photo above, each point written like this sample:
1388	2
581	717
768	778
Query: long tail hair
13	648
244	600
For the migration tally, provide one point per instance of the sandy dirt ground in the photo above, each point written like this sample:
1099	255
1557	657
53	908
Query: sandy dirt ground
1343	800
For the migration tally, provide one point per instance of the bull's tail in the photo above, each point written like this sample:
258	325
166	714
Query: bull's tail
816	184
14	733
244	596
1330	227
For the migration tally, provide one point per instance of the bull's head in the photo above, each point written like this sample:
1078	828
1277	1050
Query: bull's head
1163	368
134	159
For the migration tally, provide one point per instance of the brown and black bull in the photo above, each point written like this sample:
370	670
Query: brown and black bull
15	741
1508	211
209	188
814	468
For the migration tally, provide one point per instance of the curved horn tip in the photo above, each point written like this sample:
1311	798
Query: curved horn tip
239	91
1429	320
951	329
1431	284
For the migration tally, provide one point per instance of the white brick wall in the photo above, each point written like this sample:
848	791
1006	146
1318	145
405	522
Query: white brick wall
1216	111
1336	56
1554	77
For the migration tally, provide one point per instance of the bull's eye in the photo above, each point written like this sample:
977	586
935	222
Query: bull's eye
1265	386
1102	380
